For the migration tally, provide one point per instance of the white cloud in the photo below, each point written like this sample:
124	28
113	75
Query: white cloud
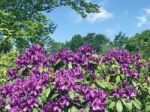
99	17
147	10
142	21
144	18
103	15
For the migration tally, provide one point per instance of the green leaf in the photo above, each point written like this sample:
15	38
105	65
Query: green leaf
7	107
29	66
41	69
134	83
48	90
54	96
35	110
106	110
103	84
136	104
147	109
73	109
127	104
57	62
40	101
119	106
43	98
69	65
117	79
111	105
71	95
21	71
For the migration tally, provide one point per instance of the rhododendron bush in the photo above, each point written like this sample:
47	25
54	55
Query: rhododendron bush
78	81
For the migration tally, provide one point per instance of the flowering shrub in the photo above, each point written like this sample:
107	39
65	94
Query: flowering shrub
79	81
7	61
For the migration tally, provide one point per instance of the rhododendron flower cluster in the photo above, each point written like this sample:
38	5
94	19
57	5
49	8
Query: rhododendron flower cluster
23	93
56	105
66	79
34	55
127	92
95	97
125	60
80	81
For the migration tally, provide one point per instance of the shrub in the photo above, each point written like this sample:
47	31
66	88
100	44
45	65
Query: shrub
69	81
7	61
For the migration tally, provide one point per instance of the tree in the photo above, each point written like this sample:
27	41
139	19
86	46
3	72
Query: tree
120	41
22	21
52	46
97	41
140	43
76	42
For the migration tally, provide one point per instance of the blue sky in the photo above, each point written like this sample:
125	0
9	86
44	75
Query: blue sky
128	16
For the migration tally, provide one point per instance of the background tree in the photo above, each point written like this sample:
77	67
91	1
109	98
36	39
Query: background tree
140	43
120	41
76	42
97	41
52	46
22	22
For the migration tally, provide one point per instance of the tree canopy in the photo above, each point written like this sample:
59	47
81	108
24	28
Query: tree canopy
22	22
97	41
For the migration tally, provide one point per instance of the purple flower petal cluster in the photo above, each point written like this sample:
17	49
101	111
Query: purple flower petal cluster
12	74
127	92
67	56
126	61
85	49
83	57
34	55
66	78
56	105
2	103
95	97
23	92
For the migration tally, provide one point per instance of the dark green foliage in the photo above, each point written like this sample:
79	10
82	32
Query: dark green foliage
22	22
97	41
120	41
140	43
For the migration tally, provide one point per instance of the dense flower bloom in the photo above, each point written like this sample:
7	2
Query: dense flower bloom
85	49
56	105
129	64
53	58
74	82
34	55
24	92
127	92
12	73
95	97
66	78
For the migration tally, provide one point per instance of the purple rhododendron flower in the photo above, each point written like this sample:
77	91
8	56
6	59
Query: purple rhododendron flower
66	78
127	92
12	74
34	55
85	49
56	105
125	60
